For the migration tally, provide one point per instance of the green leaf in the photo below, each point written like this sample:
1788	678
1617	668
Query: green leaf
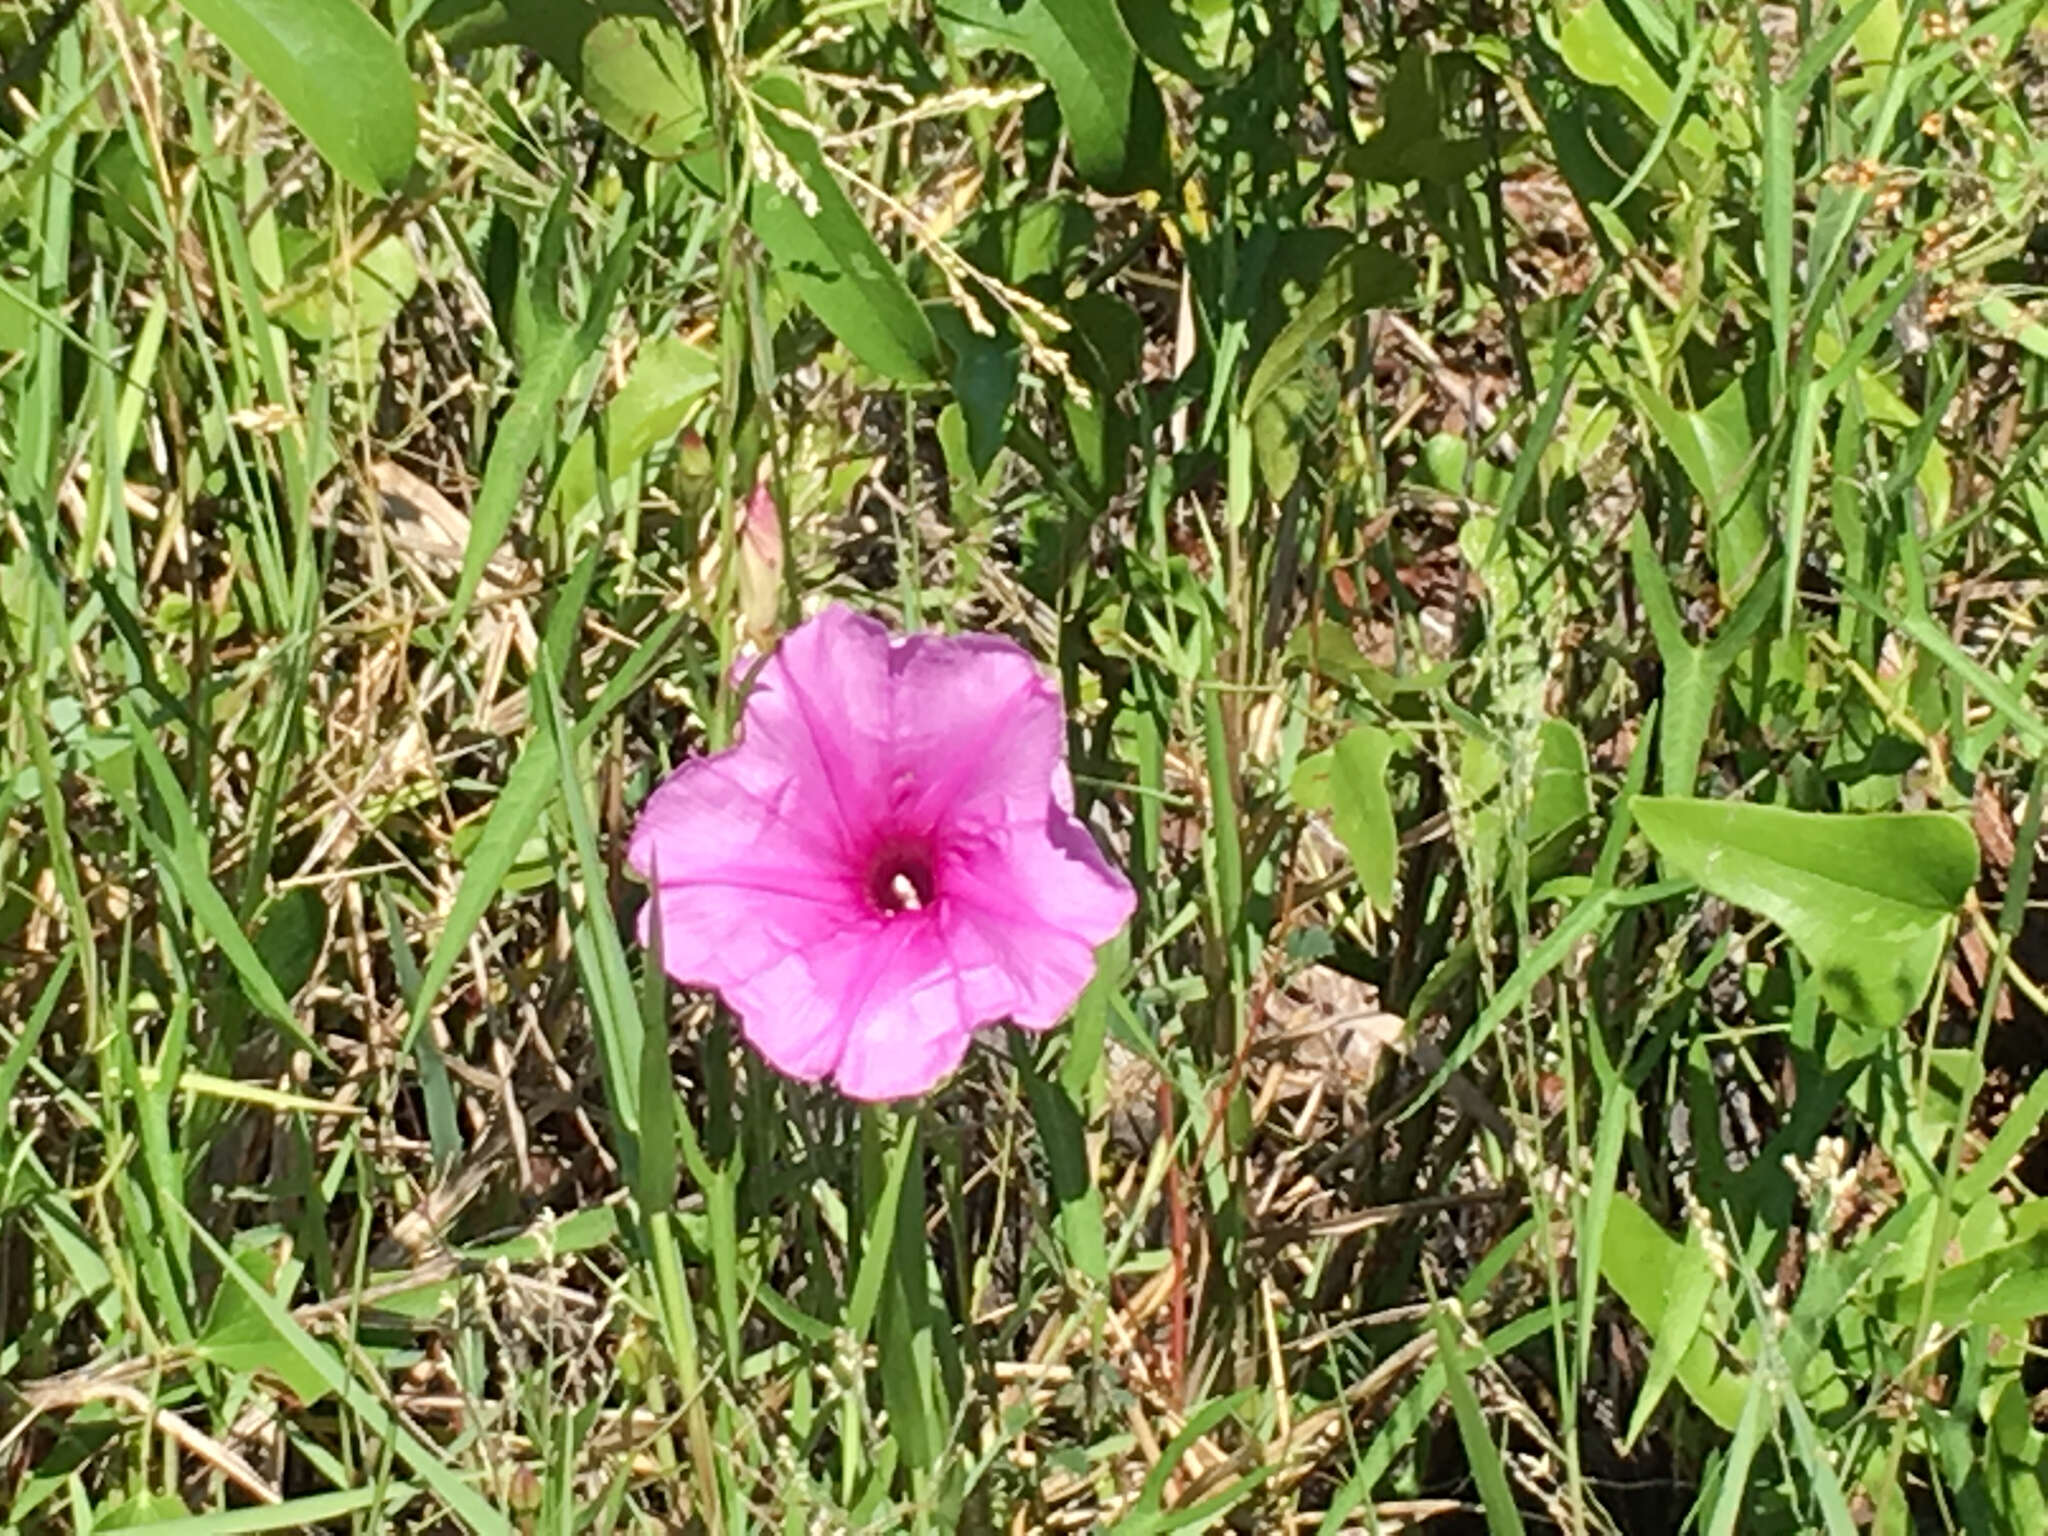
316	1511
985	370
1489	1473
529	788
1149	1514
1350	781
637	69
1685	1309
559	351
144	1511
631	60
291	1342
1411	144
2005	1287
1717	449
1560	798
1105	346
240	1340
1361	278
826	255
1867	899
289	941
1279	433
1189	37
358	299
1692	674
2016	324
340	78
1652	1272
1596	48
186	858
1063	1133
1111	106
668	378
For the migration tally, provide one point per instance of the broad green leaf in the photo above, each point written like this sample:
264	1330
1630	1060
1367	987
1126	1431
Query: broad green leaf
1685	1308
1350	781
1280	431
985	370
1717	450
631	60
340	78
1361	278
1189	37
638	70
1105	346
1867	899
826	255
1653	1273
667	380
1448	463
142	1512
1411	144
1878	35
1596	48
2016	1461
1995	1272
1329	649
1039	244
1063	1133
289	941
239	1339
2020	325
332	301
1560	797
1107	98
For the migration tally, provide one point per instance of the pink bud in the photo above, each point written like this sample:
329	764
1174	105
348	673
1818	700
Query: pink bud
760	576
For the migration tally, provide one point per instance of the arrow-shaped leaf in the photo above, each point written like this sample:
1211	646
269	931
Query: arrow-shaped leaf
1867	899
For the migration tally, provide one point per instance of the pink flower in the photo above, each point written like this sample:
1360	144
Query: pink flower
886	862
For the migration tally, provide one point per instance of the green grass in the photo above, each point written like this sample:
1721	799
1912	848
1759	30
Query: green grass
1470	471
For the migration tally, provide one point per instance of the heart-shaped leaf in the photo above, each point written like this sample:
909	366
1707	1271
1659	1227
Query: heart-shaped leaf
1867	899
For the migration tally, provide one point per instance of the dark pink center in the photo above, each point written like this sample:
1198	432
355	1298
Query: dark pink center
899	876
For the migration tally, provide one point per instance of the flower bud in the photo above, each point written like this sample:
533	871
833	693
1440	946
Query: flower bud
760	573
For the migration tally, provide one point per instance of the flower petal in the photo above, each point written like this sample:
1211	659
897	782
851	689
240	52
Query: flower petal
979	729
1026	909
822	706
912	1032
799	1011
875	1008
741	881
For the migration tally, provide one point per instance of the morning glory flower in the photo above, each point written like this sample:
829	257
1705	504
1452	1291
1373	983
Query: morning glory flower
886	861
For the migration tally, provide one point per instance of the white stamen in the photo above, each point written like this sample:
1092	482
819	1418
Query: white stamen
904	892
